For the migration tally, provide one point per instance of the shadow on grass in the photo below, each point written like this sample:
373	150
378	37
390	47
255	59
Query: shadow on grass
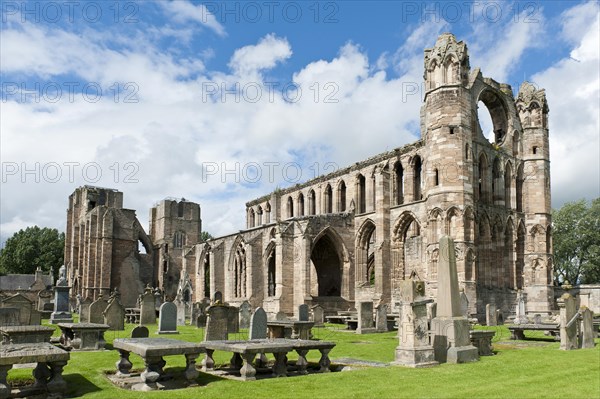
78	385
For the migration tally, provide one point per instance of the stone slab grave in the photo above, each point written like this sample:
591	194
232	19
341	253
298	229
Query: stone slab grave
147	307
83	336
245	314
450	328
167	319
365	318
25	334
217	323
96	310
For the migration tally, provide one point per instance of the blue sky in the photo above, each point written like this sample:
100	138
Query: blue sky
129	94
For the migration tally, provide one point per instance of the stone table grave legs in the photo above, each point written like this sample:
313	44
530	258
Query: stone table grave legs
208	363
236	361
261	360
248	372
124	365
324	362
301	363
56	384
280	367
190	367
41	373
4	387
153	371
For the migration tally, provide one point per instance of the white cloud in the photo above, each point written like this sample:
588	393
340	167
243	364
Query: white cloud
183	11
269	51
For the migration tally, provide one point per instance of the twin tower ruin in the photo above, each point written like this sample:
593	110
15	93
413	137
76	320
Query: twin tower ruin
353	235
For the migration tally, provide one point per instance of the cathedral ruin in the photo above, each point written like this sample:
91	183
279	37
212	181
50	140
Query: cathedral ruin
353	235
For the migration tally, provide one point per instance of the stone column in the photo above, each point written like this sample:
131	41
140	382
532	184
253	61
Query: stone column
450	328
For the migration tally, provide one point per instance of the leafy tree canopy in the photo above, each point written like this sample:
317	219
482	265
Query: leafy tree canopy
576	242
31	248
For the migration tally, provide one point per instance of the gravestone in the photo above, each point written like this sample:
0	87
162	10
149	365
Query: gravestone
414	349
84	310
451	341
381	324
318	315
587	327
279	316
62	313
365	318
23	305
537	318
96	310
258	325
9	317
303	312
216	323
195	312
201	321
464	303
500	317
180	306
568	322
158	298
490	315
521	316
233	320
140	332
167	319
218	297
147	307
245	313
114	315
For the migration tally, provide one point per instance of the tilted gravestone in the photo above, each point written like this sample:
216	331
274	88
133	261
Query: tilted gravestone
245	313
587	327
491	315
216	323
140	332
568	322
303	312
365	318
84	310
258	325
233	320
381	324
318	315
96	310
451	341
167	319
147	307
114	315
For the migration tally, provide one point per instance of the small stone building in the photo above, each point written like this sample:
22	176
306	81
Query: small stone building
354	234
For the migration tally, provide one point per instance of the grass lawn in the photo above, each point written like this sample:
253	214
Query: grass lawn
520	369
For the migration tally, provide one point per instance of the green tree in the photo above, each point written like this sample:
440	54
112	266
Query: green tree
31	248
576	242
205	236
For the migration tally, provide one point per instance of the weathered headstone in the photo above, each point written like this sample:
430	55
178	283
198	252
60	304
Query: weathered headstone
500	317
245	313
318	315
216	323
464	303
537	318
233	320
114	315
258	324
23	305
140	332
62	313
414	349
568	322
451	341
365	318
180	306
490	315
521	316
84	310
218	297
587	327
167	319
9	317
96	310
279	316
303	312
147	307
381	324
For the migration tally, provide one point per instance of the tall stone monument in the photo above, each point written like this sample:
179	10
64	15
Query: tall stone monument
61	312
450	328
414	348
568	322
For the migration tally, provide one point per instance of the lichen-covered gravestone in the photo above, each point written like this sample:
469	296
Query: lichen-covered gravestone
318	315
114	315
167	319
84	310
381	318
365	318
216	324
491	315
245	314
96	310
258	324
303	312
147	307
